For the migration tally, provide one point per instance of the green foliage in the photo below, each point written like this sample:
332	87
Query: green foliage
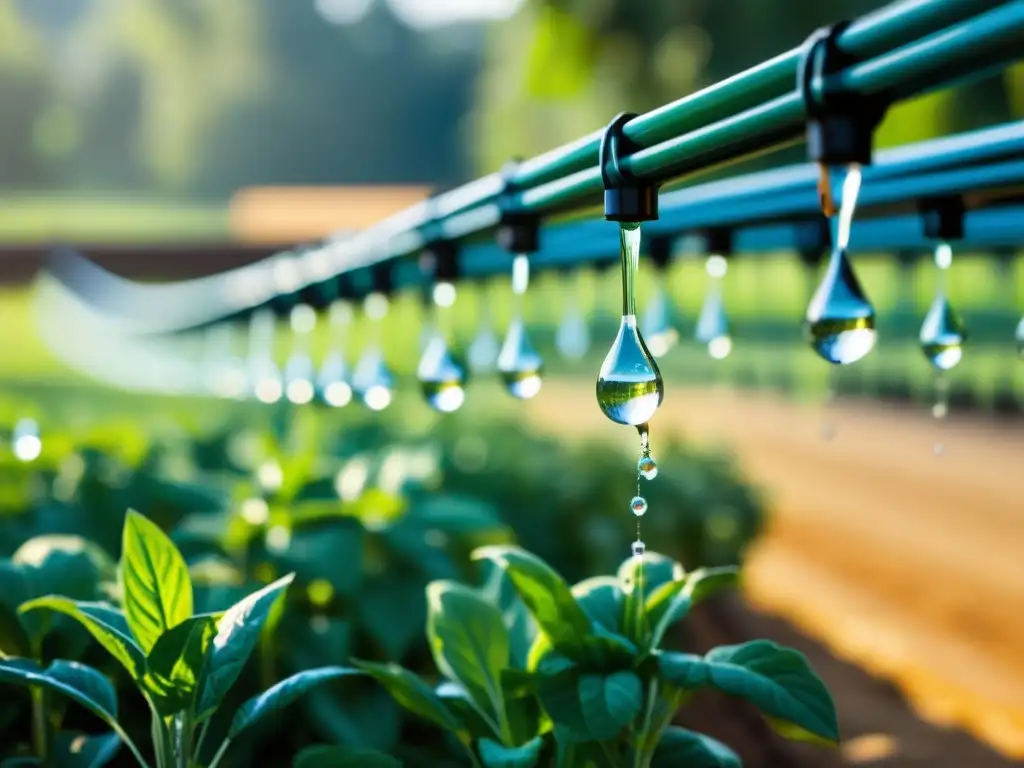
598	674
182	664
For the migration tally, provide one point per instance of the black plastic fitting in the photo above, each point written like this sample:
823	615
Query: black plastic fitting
943	218
518	230
840	124
626	198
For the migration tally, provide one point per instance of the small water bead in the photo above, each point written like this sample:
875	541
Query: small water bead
519	364
840	320
1019	336
638	505
942	335
442	379
647	468
639	548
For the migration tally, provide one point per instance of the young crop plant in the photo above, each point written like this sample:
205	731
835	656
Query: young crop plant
182	663
593	685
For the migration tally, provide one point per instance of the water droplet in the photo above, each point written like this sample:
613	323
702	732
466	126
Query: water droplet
647	468
713	326
572	339
1019	335
332	384
942	334
519	364
298	376
629	386
25	440
657	327
940	410
638	505
639	548
373	381
442	379
840	320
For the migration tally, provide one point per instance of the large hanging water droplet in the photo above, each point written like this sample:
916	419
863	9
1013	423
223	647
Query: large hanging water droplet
647	468
373	381
332	384
442	379
572	339
519	364
942	335
657	325
840	320
629	386
713	326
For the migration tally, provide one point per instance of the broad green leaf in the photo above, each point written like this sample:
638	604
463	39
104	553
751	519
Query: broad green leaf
176	663
638	579
80	750
602	600
279	696
680	747
495	755
324	756
545	594
780	683
238	632
559	694
457	699
671	602
58	564
609	702
522	708
104	622
409	690
13	638
468	640
154	579
78	682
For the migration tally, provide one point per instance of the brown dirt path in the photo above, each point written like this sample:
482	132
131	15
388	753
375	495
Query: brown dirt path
908	564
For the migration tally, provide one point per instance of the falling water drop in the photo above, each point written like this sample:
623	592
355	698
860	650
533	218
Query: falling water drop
441	377
942	338
840	320
713	325
629	385
639	505
332	381
639	548
1019	336
647	468
519	364
372	378
299	370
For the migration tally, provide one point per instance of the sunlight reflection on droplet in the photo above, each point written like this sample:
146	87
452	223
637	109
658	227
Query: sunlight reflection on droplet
268	390
300	391
338	394
377	398
255	511
720	348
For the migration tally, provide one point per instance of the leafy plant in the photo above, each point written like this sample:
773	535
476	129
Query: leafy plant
183	663
597	685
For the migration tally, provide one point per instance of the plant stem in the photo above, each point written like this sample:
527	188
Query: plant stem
220	753
183	731
130	744
469	750
640	746
197	752
40	742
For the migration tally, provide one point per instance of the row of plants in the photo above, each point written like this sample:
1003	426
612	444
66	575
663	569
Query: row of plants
361	517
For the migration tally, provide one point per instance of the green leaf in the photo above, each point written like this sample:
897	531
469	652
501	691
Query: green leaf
13	638
609	703
176	663
78	682
778	681
324	756
279	696
154	579
409	690
562	56
80	750
559	694
105	623
59	564
238	631
522	708
639	579
602	600
679	747
494	755
545	594
670	603
469	641
457	699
